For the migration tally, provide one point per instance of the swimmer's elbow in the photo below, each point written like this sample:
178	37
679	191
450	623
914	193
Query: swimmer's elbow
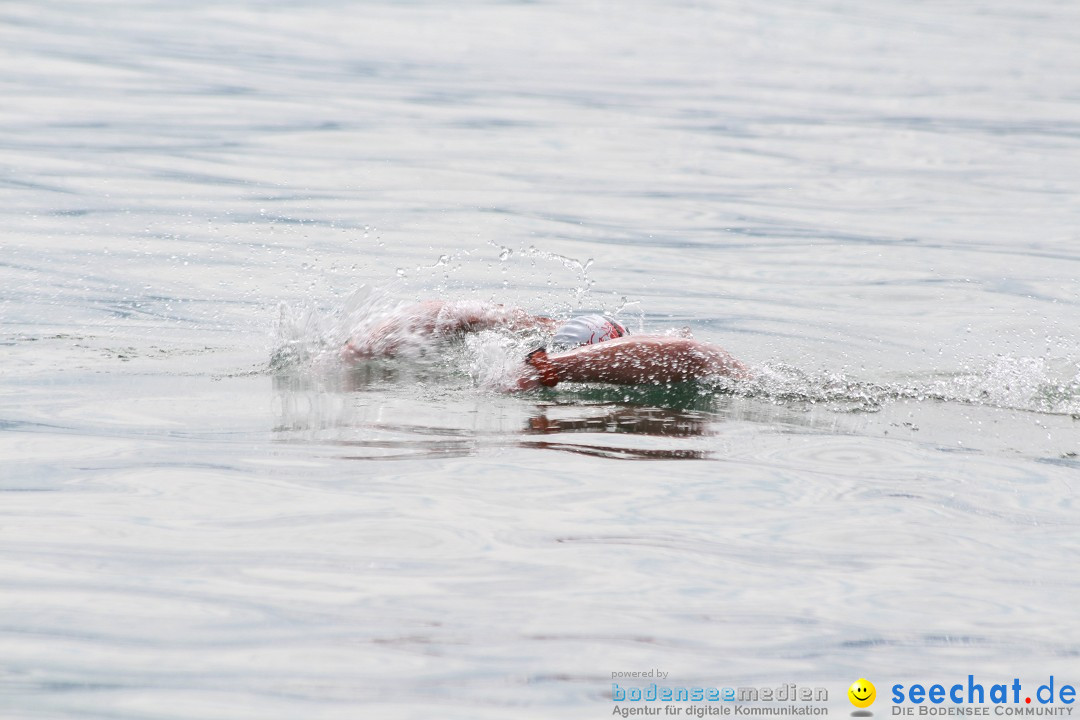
352	353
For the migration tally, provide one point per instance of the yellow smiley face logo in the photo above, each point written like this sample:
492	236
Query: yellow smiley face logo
862	693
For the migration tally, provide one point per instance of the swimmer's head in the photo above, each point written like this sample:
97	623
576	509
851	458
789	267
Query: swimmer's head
586	330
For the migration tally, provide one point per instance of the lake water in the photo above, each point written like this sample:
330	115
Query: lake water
204	515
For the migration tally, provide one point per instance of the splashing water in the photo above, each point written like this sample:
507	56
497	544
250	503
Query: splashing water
1026	384
490	358
312	336
373	323
581	269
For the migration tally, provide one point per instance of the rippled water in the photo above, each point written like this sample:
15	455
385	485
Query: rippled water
875	205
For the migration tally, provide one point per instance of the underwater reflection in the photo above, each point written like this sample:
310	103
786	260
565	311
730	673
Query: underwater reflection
626	419
622	453
382	413
392	411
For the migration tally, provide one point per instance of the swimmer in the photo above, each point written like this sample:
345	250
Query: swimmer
588	348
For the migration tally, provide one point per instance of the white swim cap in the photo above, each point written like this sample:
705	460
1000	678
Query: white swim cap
586	330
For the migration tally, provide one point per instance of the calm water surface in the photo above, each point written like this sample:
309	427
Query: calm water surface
203	515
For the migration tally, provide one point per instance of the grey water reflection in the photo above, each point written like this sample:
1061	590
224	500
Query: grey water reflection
398	411
664	422
392	411
361	412
592	422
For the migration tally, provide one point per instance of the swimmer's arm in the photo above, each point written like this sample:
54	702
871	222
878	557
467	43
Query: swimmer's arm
640	360
471	317
439	318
